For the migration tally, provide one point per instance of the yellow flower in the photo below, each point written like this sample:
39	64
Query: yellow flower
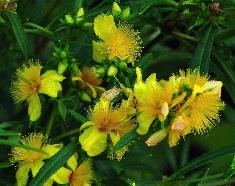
31	160
153	99
29	83
200	111
89	79
120	41
105	120
75	175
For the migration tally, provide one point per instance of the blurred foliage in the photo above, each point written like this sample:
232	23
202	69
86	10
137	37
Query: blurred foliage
176	34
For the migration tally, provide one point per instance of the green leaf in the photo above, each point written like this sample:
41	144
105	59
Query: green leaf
5	165
203	160
77	5
78	116
62	109
201	57
7	124
125	140
8	133
15	143
19	32
53	164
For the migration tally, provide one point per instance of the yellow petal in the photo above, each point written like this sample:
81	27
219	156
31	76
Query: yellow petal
62	176
50	87
99	51
86	125
51	149
144	120
52	74
36	166
115	137
93	141
104	25
22	174
72	162
93	91
34	109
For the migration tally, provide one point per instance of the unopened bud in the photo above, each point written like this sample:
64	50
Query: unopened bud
164	111
75	68
85	97
157	137
63	54
101	71
116	10
80	12
62	66
122	65
69	20
125	13
112	71
178	124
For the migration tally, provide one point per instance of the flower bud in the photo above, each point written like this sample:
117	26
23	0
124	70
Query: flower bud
63	54
80	12
112	71
116	10
125	13
75	68
62	66
178	124
164	111
69	20
101	71
157	137
122	65
85	97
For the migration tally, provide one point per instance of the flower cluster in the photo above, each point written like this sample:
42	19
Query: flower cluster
188	102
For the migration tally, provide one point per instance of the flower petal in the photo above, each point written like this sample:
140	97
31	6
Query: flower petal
34	109
144	120
50	87
36	166
52	74
62	176
72	162
51	149
99	51
22	174
93	141
104	25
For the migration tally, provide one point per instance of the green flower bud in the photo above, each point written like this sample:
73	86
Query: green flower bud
69	20
116	10
75	68
112	71
63	54
125	13
85	97
88	25
63	65
122	65
101	71
80	12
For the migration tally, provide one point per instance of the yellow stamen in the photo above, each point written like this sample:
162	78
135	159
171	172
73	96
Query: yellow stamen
22	155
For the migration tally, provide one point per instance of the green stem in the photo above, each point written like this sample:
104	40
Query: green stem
51	120
40	29
69	133
185	36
